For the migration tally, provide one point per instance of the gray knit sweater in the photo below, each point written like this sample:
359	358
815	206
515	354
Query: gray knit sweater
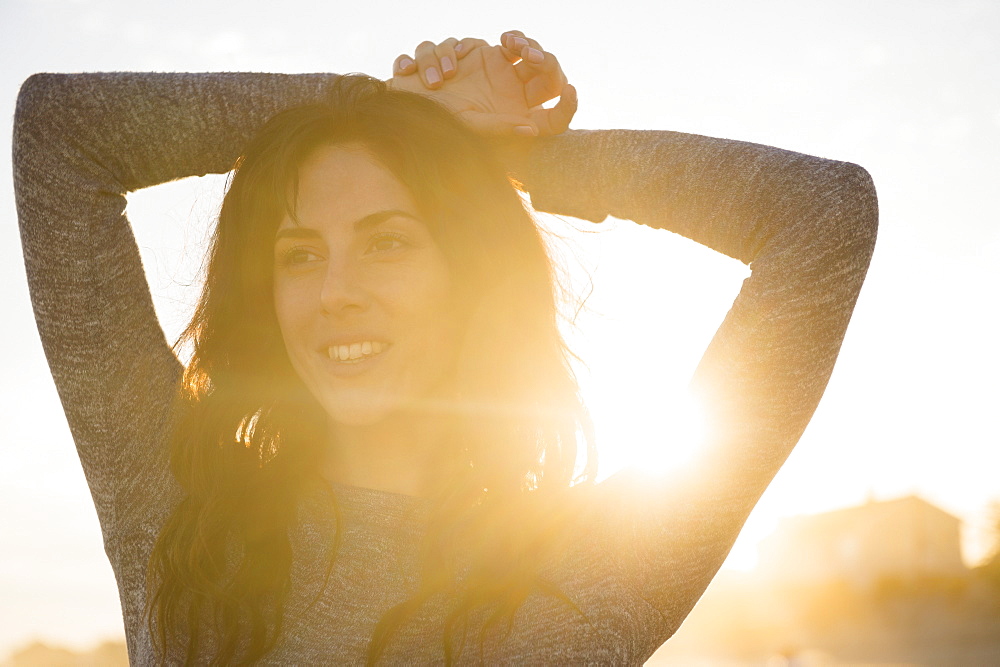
645	553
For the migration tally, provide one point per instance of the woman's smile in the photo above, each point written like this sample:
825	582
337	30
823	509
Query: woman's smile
355	359
356	352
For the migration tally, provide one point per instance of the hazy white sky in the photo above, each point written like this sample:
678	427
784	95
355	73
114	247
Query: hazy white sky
906	89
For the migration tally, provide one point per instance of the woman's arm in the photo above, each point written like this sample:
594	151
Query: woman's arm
81	142
806	226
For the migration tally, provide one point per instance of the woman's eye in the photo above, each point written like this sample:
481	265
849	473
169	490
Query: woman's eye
298	257
387	242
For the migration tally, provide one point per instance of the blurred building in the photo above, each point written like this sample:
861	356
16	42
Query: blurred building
39	654
904	538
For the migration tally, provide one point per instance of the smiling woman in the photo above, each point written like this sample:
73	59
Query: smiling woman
375	219
377	451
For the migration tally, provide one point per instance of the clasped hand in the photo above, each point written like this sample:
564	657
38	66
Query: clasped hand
496	90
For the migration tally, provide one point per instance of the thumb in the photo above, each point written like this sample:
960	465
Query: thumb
556	120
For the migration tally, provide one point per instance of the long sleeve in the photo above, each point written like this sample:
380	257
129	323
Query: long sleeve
81	142
806	226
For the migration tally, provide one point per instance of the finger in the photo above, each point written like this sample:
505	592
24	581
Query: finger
540	72
512	43
516	46
539	89
537	62
537	69
542	85
549	70
533	56
403	65
427	65
468	45
557	119
447	58
532	51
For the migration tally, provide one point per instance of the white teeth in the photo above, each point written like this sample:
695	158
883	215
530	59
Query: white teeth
355	352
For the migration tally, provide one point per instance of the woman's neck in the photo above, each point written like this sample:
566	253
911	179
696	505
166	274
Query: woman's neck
407	454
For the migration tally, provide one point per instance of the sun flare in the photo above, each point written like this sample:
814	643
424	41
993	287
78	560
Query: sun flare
657	434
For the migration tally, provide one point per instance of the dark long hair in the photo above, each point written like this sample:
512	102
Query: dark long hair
248	436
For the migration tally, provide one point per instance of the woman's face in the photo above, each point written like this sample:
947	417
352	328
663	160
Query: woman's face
362	292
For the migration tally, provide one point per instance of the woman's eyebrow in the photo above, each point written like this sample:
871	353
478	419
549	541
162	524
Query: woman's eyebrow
381	216
370	220
295	233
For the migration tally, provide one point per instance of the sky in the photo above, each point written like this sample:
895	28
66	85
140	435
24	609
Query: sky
907	89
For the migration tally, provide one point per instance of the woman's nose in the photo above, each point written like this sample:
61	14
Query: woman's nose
343	288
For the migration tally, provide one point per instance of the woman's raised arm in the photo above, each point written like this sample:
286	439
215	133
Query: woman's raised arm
81	142
806	226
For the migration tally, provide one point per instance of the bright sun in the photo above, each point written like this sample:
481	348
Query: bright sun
657	434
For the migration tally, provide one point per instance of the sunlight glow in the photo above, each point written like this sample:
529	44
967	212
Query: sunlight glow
656	437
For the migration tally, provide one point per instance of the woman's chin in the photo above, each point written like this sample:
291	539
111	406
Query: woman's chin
364	408
358	417
358	411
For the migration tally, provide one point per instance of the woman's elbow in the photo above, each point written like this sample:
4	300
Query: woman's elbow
35	98
36	121
858	201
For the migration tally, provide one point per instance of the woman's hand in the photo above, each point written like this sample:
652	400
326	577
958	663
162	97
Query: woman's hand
497	91
434	62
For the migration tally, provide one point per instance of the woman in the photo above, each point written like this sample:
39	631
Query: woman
370	454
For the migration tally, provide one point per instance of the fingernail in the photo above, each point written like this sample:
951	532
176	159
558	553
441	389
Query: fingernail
520	42
525	131
459	48
535	56
447	65
433	76
404	63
